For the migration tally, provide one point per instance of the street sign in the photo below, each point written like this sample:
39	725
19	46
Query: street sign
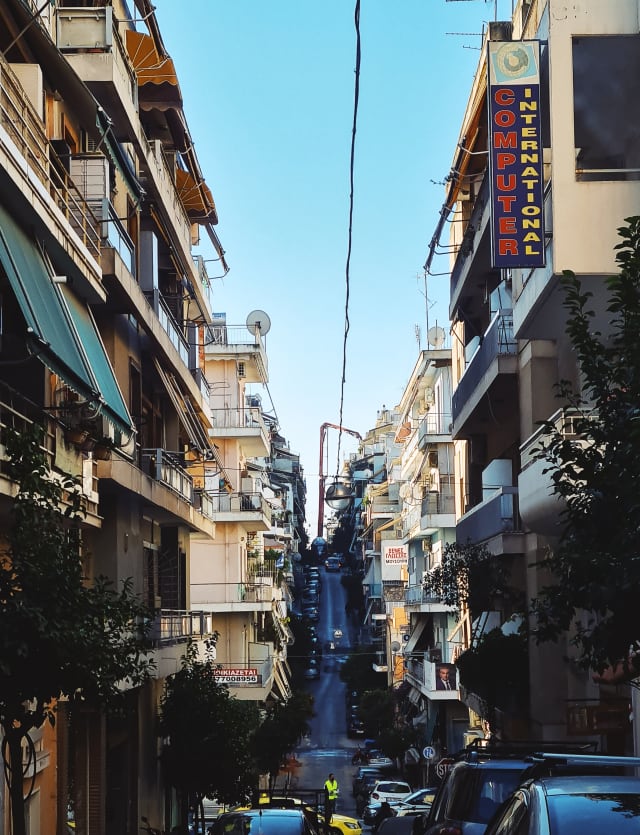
428	753
443	766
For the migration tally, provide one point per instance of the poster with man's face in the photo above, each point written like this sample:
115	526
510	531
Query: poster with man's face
446	677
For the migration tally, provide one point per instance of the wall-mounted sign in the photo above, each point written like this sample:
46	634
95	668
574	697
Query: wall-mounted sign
395	557
242	675
515	155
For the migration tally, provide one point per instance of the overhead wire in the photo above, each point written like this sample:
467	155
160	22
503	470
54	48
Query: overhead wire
356	97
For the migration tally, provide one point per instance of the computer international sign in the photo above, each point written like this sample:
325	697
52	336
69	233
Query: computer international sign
515	155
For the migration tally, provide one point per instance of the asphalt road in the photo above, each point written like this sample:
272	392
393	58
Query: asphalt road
327	748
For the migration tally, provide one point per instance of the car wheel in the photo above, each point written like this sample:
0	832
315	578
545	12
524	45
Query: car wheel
333	830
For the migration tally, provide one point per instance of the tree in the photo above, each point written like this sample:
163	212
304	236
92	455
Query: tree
208	752
595	469
282	729
60	634
468	578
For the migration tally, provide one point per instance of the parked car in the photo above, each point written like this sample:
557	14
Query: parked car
341	825
482	777
379	760
272	821
365	779
312	670
333	563
573	795
355	727
419	802
395	826
390	790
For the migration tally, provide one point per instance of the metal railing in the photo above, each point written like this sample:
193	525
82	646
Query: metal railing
497	341
26	130
262	591
169	324
441	502
241	418
434	423
115	235
173	626
497	514
166	468
223	502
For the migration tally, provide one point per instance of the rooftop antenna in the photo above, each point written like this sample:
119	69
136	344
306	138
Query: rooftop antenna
418	333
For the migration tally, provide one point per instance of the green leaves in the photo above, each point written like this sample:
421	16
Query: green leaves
594	460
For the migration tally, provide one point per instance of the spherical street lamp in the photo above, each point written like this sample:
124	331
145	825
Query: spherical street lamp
339	496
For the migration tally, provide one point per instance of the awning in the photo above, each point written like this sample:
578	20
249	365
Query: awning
415	635
195	196
60	327
149	66
114	406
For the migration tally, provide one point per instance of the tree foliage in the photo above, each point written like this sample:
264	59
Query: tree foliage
496	669
208	752
594	464
282	729
468	577
60	635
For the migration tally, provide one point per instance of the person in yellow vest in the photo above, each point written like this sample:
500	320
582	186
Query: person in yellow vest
331	792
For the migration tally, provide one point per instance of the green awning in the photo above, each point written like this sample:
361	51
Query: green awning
113	405
60	330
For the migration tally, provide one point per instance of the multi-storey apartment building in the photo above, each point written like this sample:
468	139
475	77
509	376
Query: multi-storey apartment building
107	331
431	644
231	577
544	173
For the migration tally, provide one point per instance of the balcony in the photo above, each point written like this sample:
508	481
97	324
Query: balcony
239	343
170	632
59	205
249	509
255	595
421	601
169	324
438	510
495	519
17	413
245	425
492	371
434	428
472	269
540	508
92	46
166	468
422	673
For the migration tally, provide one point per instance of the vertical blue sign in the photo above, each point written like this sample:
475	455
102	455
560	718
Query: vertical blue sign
515	155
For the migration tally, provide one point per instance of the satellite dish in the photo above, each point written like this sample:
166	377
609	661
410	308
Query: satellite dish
436	336
258	320
395	646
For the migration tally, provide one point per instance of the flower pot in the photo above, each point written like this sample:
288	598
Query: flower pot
102	452
76	436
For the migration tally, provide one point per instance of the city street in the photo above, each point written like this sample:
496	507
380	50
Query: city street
327	748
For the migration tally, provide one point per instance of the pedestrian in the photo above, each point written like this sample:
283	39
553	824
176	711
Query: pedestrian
331	792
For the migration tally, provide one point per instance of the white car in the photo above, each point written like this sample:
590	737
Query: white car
389	790
378	760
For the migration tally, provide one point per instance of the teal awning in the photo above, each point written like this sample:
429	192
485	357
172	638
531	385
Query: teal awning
60	329
113	405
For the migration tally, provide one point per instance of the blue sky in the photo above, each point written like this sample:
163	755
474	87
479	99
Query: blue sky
268	90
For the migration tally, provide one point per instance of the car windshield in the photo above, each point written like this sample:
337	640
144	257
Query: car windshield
593	814
478	794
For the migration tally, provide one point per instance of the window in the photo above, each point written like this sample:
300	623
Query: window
606	87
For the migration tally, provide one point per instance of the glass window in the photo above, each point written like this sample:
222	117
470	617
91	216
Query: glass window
482	791
593	814
606	87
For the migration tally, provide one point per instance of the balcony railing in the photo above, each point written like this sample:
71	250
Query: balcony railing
166	468
247	418
223	502
203	383
475	223
115	235
234	335
496	515
173	626
433	423
498	341
263	591
442	501
169	324
418	594
26	130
